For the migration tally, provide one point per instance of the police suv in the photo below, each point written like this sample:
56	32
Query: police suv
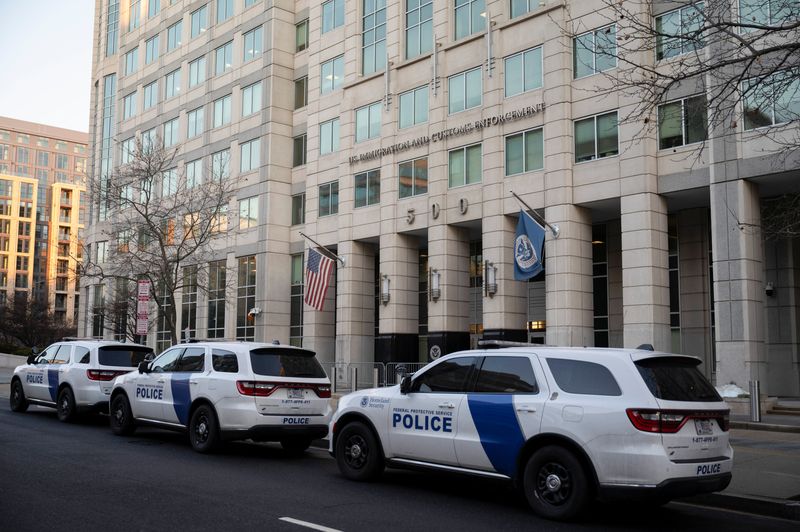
565	424
220	391
74	376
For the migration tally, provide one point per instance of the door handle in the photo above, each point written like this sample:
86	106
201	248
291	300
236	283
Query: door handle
528	409
161	381
446	405
192	382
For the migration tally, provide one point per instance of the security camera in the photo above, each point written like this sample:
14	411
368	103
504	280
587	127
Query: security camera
769	289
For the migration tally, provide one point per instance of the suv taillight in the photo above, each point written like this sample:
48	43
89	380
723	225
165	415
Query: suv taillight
671	421
103	374
264	389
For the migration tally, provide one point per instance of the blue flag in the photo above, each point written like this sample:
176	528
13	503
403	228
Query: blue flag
528	248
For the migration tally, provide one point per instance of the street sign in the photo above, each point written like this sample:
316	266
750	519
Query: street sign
142	302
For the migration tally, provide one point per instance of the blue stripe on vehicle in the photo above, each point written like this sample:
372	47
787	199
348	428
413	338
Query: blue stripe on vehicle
498	428
181	396
52	383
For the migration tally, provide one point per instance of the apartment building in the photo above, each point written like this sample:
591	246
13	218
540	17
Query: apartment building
394	133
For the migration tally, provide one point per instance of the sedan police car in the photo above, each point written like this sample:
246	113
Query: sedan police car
219	391
74	376
566	425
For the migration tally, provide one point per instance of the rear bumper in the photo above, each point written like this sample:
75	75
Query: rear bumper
668	489
277	433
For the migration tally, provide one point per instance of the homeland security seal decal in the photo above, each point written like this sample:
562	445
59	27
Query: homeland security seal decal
524	253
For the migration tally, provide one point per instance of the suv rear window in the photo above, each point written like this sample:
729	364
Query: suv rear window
122	356
284	362
676	379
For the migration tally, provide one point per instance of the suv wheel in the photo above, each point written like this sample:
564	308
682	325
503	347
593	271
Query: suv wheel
17	400
358	453
296	446
204	430
66	405
121	419
556	484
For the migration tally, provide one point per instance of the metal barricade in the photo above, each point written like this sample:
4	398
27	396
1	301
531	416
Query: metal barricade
396	370
351	376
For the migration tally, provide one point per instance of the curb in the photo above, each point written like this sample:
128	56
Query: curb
780	508
749	425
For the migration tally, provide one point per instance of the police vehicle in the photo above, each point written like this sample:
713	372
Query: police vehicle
566	425
219	391
74	376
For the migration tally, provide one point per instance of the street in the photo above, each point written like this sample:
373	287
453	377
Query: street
67	477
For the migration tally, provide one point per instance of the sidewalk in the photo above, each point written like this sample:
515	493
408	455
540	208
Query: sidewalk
766	471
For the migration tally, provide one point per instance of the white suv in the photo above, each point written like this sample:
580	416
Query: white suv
74	376
227	391
565	424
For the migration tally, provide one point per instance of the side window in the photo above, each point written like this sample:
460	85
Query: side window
588	378
193	359
167	361
506	375
224	361
448	376
47	356
82	355
62	355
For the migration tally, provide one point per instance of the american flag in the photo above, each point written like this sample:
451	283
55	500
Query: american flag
318	273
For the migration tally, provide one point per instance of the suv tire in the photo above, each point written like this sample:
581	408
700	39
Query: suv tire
358	453
121	418
296	446
204	430
17	397
65	407
555	484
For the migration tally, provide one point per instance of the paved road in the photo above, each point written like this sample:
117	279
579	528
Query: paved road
65	477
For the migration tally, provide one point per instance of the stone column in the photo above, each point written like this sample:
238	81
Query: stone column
568	277
782	257
448	316
645	273
694	286
399	317
505	313
355	303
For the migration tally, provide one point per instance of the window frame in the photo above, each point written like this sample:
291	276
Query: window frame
465	91
594	52
255	93
330	208
370	109
333	86
468	5
368	174
683	122
464	149
524	134
595	117
256	35
202	21
414	92
335	136
195	68
660	44
338	9
254	155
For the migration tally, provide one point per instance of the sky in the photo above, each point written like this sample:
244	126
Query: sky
46	57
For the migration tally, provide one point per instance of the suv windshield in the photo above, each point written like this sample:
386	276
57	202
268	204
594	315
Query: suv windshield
284	362
116	355
676	379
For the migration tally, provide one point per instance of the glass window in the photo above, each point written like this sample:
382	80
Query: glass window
368	122
283	362
173	83
196	122
298	209
169	182
329	136
153	7
300	92
112	27
676	379
465	166
134	14
470	17
192	360
224	361
525	152
419	27
414	107
246	299
329	198
216	299
131	61
128	150
222	111
251	99
82	355
128	107
220	164
682	122
520	7
772	100
167	361
194	173
449	376
332	15
413	177
678	31
125	357
151	50
174	33
332	74
223	58
42	158
62	355
248	213
224	10
299	151
301	36
171	133
464	90
373	36
580	377
523	71
367	188
253	44
296	302
250	155
150	95
595	51
248	3
197	71
596	137
199	21
506	375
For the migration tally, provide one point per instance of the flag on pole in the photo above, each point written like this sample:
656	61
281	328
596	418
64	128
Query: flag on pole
528	247
318	273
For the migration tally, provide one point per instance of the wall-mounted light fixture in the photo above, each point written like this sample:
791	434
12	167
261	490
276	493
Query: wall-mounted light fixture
769	289
490	278
435	285
384	289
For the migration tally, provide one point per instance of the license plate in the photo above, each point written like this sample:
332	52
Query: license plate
297	393
703	427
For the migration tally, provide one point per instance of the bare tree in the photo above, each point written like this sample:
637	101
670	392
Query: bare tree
26	320
159	220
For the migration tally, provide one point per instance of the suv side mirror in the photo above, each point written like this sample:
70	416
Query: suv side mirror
32	358
144	366
405	384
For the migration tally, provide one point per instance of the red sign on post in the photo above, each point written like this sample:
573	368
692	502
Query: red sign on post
142	302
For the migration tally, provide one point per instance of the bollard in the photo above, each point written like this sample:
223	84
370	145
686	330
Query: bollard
755	401
374	377
355	378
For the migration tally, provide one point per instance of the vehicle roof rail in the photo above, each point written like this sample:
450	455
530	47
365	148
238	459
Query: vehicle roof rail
80	338
498	344
198	340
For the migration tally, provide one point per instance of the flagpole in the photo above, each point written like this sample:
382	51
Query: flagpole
536	216
331	253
